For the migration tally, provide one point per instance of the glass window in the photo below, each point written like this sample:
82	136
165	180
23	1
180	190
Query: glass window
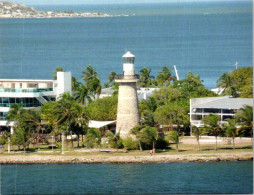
226	117
212	110
17	100
5	100
12	100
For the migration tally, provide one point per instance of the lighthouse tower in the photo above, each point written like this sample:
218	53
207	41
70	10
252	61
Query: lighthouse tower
127	110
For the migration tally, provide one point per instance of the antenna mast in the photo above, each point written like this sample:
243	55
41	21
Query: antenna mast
177	77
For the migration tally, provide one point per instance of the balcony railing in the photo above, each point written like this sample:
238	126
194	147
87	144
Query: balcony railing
25	90
127	77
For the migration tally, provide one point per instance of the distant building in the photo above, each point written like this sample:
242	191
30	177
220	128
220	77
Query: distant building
30	93
225	107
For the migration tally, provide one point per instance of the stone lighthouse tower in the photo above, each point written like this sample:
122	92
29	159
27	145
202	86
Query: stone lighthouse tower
127	110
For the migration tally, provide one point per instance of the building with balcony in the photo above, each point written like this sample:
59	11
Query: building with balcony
225	107
30	93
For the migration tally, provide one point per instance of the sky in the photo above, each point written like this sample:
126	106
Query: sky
68	2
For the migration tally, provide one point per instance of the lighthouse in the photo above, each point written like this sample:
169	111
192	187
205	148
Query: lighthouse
127	110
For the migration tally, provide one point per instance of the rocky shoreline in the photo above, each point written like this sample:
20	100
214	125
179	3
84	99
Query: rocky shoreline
12	10
64	159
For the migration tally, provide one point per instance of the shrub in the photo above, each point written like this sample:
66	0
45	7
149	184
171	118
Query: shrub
130	144
161	143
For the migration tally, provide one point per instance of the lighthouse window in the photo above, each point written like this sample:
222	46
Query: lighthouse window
128	60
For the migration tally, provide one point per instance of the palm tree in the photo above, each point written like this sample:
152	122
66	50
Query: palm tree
244	117
149	134
66	112
198	132
58	69
14	112
111	79
212	126
145	77
89	74
92	81
225	83
81	94
175	137
231	129
94	87
164	77
137	132
75	84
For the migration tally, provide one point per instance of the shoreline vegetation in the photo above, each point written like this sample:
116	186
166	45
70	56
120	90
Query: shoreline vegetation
187	153
12	10
162	137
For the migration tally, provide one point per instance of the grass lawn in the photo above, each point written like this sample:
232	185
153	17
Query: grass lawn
46	149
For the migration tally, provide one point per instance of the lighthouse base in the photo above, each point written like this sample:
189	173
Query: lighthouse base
127	110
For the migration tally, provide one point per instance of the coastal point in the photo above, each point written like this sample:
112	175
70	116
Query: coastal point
12	10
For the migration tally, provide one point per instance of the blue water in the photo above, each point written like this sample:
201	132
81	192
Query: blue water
204	38
187	178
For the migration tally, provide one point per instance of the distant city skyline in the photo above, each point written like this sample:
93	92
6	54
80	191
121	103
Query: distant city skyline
68	2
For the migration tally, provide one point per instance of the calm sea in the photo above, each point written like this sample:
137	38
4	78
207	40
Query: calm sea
204	38
187	178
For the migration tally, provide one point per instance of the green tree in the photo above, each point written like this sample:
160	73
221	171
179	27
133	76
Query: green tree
191	87
66	111
164	77
4	138
175	138
225	83
58	69
242	79
21	137
231	130
145	77
198	132
147	109
103	109
149	135
93	138
92	81
114	140
137	132
211	123
244	117
130	144
111	80
81	95
75	84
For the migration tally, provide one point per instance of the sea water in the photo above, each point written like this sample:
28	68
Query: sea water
204	38
136	178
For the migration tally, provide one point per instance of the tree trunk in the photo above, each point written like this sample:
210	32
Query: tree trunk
233	142
71	140
215	142
153	146
140	147
78	140
177	147
198	144
24	148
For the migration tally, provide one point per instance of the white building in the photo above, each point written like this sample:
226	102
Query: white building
30	93
225	107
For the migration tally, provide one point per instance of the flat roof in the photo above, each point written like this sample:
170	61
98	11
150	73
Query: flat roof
222	102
